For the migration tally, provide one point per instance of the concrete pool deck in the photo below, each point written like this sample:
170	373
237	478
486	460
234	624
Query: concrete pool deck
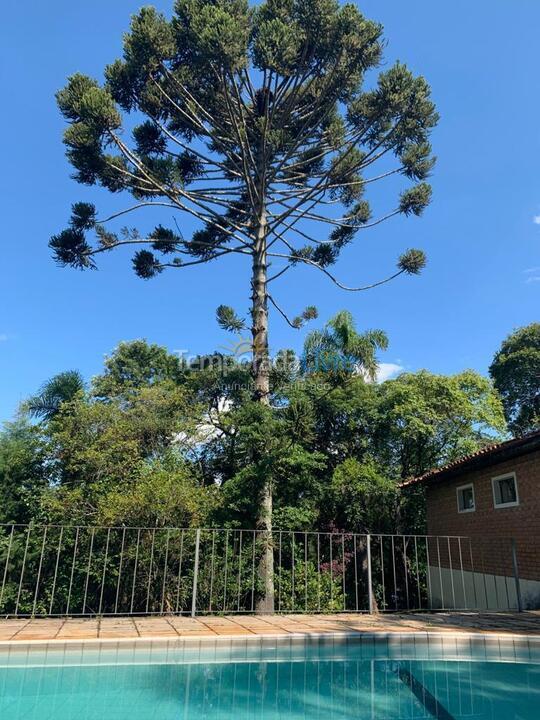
117	628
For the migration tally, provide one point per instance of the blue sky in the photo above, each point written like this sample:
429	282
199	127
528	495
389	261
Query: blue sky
481	233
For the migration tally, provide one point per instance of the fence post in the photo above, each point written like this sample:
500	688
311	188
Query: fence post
516	576
195	573
370	584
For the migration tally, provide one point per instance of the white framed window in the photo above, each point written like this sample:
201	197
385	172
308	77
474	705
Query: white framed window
465	498
505	490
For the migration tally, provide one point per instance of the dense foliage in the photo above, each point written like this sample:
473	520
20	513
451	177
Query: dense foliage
515	371
154	442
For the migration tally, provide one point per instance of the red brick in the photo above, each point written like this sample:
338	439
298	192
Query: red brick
491	529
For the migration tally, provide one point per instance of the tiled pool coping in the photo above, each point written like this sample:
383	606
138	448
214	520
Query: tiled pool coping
466	636
280	648
164	627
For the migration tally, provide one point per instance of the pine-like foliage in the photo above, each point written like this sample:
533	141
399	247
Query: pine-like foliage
247	117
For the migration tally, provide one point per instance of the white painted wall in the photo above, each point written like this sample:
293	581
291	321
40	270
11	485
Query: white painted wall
454	589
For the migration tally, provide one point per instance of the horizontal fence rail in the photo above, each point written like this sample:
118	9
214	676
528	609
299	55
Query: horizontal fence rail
53	570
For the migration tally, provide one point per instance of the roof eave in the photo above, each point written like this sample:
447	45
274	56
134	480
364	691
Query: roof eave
506	451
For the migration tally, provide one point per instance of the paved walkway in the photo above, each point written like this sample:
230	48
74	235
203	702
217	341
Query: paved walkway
234	625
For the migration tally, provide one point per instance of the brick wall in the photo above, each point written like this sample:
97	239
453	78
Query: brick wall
491	528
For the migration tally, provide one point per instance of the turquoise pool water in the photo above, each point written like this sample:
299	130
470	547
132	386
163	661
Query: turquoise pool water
320	686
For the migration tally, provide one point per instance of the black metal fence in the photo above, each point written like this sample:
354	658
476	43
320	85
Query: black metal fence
53	570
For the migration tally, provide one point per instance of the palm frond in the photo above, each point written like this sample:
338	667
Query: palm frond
59	389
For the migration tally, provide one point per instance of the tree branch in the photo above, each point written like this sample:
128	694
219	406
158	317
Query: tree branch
307	261
281	312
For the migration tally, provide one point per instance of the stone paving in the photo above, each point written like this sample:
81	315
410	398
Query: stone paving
235	625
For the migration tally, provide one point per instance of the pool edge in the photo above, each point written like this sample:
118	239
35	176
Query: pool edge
445	640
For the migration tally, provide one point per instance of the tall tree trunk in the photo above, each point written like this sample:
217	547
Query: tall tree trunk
261	380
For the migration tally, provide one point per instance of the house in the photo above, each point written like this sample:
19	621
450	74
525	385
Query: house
487	506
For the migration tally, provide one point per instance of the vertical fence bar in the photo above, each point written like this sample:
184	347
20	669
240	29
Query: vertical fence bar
240	532
484	576
355	573
7	564
226	570
135	567
280	566
305	571
150	568
462	574
72	569
120	571
440	572
495	585
39	570
394	571
177	605
451	574
22	569
506	592
319	571
516	575
162	607
253	570
406	570
331	572
212	561
92	535
369	578
104	571
428	575
293	553
195	573
383	585
473	575
343	570
56	569
418	590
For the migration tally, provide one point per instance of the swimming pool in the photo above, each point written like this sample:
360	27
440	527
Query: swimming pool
321	678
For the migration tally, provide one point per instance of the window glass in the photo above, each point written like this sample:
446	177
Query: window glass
505	490
466	498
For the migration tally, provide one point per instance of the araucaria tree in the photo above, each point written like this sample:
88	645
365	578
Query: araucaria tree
256	122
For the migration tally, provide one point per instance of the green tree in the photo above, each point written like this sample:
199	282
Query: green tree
60	389
363	498
382	433
340	348
515	371
166	493
95	441
256	123
23	473
160	492
283	444
344	412
271	446
133	365
427	420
